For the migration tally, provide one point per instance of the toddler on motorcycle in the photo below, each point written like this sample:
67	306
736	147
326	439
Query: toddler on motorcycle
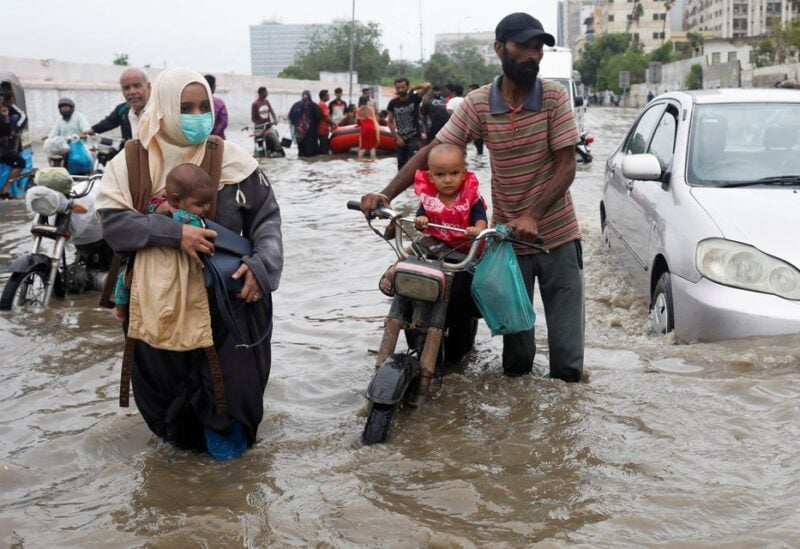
449	196
187	198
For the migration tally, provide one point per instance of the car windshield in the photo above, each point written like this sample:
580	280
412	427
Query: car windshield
744	143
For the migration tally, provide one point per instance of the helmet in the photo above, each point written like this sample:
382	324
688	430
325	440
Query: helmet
66	101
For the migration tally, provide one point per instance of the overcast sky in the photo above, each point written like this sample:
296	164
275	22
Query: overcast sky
214	35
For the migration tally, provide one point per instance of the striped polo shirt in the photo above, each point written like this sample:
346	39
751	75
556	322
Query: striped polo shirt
521	144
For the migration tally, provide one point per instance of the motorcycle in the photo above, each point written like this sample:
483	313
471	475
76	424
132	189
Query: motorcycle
267	141
582	148
422	281
103	149
62	223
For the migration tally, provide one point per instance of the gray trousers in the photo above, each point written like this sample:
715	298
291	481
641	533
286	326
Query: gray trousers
560	275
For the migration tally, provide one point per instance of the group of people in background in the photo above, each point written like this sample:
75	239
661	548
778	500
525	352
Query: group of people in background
413	116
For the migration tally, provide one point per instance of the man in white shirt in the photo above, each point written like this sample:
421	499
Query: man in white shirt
455	97
125	116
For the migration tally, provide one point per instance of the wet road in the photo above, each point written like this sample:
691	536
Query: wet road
689	445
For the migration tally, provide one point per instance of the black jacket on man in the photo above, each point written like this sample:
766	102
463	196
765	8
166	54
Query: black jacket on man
117	119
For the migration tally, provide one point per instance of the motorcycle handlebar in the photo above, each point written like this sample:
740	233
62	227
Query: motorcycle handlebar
106	141
387	213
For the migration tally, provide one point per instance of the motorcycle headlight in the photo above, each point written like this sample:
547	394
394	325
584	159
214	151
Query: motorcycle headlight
741	266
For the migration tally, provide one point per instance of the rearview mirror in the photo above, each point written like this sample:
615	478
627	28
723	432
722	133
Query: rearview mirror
642	166
579	101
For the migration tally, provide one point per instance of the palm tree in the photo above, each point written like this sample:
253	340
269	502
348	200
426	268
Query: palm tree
636	13
667	7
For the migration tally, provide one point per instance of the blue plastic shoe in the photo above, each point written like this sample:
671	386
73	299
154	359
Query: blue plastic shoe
225	447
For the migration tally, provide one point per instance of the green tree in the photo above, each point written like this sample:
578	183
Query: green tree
441	69
593	54
121	59
464	64
471	64
694	78
786	39
398	69
764	53
633	61
663	53
329	50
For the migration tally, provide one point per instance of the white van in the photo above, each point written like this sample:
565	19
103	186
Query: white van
556	65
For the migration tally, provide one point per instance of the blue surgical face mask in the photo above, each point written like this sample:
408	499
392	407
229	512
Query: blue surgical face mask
197	127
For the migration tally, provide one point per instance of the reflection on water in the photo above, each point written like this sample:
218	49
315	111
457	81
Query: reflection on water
696	444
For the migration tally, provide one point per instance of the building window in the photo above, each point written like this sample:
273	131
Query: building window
731	56
610	17
715	58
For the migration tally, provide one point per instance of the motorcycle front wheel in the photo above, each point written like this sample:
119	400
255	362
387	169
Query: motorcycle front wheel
26	289
378	422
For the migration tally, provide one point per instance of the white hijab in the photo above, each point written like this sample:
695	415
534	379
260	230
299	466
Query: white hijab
169	306
161	134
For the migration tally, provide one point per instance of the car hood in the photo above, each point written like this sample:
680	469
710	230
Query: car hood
764	218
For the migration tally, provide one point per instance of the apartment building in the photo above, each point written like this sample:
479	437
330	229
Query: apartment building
647	21
737	18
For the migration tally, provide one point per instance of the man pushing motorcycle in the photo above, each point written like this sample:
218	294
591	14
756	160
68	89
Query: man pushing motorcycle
528	126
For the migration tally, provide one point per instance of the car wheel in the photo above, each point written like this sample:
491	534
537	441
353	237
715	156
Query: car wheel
662	312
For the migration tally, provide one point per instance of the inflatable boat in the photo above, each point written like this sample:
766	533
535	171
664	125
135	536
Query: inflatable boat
345	138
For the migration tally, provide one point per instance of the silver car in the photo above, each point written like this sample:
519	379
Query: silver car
702	201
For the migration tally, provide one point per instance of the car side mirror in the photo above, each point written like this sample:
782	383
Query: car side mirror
642	166
579	101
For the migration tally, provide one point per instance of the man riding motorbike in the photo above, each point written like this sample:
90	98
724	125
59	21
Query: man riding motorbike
125	116
72	122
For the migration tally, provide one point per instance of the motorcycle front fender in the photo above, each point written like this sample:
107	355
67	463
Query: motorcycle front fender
392	379
26	262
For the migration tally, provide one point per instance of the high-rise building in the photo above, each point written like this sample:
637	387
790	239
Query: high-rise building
677	15
273	45
737	18
572	21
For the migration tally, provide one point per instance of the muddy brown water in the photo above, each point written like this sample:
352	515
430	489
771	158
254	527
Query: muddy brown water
684	445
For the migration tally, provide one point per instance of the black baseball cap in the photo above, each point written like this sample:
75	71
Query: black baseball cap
520	27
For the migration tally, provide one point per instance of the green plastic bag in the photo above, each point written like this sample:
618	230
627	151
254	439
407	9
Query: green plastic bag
499	291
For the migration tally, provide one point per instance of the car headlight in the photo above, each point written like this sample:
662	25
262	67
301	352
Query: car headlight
742	266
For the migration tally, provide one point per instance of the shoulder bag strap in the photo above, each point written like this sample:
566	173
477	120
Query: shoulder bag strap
212	164
140	183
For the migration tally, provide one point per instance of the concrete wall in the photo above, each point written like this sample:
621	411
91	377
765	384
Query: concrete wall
766	77
722	75
95	90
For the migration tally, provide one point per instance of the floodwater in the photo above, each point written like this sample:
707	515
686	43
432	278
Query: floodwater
681	445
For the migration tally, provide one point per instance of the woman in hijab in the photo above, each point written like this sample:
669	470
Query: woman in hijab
172	316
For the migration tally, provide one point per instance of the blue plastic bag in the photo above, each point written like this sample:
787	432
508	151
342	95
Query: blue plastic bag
499	291
79	161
